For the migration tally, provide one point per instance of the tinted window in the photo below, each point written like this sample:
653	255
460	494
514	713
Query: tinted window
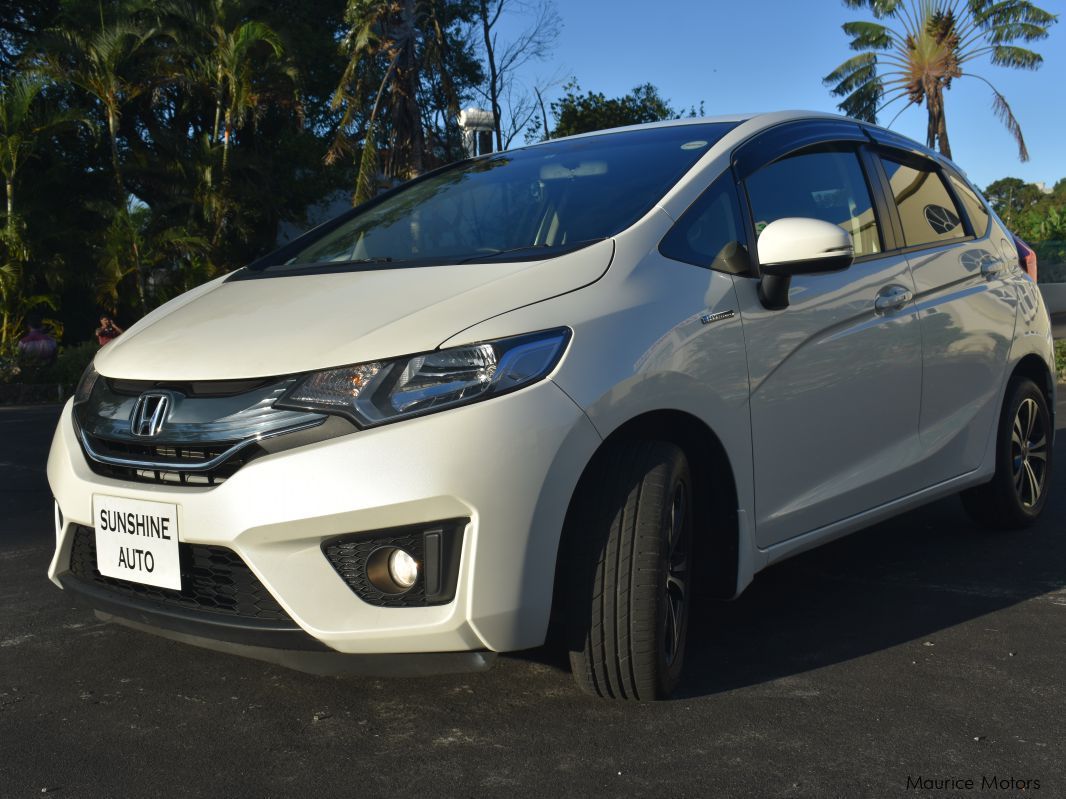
975	209
703	233
822	185
926	209
521	202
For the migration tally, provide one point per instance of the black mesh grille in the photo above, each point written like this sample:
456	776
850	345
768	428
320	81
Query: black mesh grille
349	558
181	453
213	580
350	555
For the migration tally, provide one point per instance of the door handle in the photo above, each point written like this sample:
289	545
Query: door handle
992	268
892	298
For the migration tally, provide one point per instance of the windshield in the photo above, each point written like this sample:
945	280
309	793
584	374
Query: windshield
534	202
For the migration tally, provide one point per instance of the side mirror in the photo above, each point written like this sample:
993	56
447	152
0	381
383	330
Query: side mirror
799	246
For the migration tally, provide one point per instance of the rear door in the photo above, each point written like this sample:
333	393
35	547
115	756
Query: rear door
835	382
966	307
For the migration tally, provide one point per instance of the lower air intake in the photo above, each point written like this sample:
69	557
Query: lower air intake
435	547
213	580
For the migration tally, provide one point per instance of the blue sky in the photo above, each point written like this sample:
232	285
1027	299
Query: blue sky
762	55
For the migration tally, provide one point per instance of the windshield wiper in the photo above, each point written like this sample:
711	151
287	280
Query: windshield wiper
382	259
530	248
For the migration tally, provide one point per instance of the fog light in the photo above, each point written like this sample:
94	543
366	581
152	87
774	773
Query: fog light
403	569
392	570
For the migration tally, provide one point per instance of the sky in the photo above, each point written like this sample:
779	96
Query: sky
768	55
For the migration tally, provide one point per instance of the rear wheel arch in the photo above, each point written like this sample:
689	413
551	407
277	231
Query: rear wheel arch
1036	369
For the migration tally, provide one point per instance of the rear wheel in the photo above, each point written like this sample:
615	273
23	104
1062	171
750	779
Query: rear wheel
629	581
1016	495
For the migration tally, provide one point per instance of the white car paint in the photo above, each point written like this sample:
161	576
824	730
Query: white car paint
304	323
796	239
831	413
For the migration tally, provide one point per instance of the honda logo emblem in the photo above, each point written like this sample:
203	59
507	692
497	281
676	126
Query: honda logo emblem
149	413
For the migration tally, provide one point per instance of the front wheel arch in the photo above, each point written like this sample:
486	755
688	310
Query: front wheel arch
717	540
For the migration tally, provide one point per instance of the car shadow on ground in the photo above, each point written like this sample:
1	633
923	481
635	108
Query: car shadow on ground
897	583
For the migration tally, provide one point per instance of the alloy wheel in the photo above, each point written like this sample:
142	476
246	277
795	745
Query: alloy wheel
1028	448
677	575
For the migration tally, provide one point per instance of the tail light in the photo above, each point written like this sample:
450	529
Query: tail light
1026	258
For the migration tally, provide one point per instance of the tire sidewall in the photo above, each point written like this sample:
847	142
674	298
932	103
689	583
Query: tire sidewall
1021	390
670	673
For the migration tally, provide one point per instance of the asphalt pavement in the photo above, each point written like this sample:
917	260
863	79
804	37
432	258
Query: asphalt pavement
922	649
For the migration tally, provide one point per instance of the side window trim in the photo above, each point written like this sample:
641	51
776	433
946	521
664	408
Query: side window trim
873	186
950	176
790	138
960	206
919	161
892	230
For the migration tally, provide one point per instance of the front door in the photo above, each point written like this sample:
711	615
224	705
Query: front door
836	376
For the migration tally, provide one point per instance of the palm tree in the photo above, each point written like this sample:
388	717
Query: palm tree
240	62
25	121
388	30
159	250
230	61
931	44
97	62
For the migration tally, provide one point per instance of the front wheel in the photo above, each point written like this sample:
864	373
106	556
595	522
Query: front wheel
1016	495
630	577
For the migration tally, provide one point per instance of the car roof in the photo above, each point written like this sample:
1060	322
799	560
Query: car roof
766	119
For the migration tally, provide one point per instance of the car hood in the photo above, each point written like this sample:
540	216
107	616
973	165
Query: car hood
230	329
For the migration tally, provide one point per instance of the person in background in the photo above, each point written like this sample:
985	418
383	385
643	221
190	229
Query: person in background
108	330
37	345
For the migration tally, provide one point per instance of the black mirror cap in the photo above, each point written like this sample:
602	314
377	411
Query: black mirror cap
773	291
835	262
777	278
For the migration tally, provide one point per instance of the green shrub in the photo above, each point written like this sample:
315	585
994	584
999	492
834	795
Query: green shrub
70	363
65	370
1050	261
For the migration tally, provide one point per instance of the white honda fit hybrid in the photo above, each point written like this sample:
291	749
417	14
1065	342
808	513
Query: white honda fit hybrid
558	384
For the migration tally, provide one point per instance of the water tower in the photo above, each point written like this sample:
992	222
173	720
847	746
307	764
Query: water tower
477	126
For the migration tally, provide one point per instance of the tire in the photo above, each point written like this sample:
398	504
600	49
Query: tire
1016	495
627	606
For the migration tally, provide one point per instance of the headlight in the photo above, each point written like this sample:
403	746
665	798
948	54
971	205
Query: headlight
377	392
85	384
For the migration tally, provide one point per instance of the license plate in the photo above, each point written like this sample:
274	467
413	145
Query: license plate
137	540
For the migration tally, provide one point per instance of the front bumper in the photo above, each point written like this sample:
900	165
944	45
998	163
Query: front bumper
509	464
284	645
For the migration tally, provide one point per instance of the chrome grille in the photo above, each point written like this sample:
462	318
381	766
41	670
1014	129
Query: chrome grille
204	440
172	459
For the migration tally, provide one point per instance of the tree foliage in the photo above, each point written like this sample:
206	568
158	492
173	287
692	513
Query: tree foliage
916	49
577	112
409	65
1033	212
149	145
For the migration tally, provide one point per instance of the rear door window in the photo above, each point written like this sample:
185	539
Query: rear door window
826	185
926	209
975	209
